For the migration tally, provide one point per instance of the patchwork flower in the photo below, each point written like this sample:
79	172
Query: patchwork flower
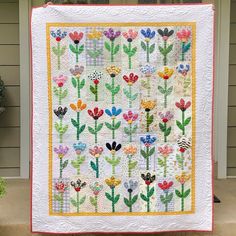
148	178
182	105
130	117
96	151
183	69
184	143
114	147
148	105
184	35
95	77
94	34
61	151
148	34
79	147
166	73
58	35
60	80
112	182
78	185
165	34
147	70
130	79
60	112
61	187
76	37
130	35
165	150
148	140
166	116
165	186
111	34
80	106
131	185
130	150
96	188
113	112
113	71
183	178
96	113
77	70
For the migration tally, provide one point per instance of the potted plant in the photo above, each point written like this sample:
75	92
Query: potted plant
2	95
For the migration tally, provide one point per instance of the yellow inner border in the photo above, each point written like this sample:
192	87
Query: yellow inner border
140	24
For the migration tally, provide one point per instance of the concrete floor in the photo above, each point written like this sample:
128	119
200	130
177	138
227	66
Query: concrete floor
15	210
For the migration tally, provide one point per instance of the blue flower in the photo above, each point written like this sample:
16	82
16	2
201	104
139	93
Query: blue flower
183	69
148	34
58	35
148	140
131	186
79	147
147	70
113	112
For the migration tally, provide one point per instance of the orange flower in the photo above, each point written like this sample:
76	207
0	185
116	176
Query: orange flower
79	106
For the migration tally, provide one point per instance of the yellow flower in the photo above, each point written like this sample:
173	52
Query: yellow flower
113	182
130	150
79	106
166	74
148	104
113	70
94	34
182	178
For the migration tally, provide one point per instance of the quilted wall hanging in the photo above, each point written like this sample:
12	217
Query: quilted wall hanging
122	118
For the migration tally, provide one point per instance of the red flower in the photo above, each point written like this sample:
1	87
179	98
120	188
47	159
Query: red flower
96	113
131	79
165	185
130	117
182	105
76	37
61	187
182	149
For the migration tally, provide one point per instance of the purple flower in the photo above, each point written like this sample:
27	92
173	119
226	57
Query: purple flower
61	151
111	34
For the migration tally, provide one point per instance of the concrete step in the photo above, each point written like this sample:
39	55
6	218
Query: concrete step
15	211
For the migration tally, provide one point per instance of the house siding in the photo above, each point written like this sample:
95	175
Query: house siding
9	72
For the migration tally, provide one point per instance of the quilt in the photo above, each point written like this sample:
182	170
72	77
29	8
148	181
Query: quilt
122	118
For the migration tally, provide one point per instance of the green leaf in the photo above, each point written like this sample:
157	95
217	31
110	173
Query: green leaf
57	198
107	46
74	82
169	48
143	45
116	161
135	127
179	125
125	49
167	132
74	203
117	125
134	97
151	151
134	199
93	165
132	165
91	53
74	122
160	162
81	129
116	49
93	201
64	93
144	197
82	200
169	90
116	199
81	49
55	51
63	49
64	129
126	92
143	153
151	191
109	197
108	86
92	89
163	200
109	126
152	48
186	193
98	52
55	90
91	130
162	51
162	90
110	161
179	159
186	47
162	127
186	122
127	202
72	48
99	127
65	163
116	90
126	130
177	192
169	197
133	51
57	126
150	119
82	83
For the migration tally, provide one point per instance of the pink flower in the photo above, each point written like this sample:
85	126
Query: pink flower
60	80
166	117
130	35
184	35
130	117
61	187
165	185
76	37
96	151
182	105
165	150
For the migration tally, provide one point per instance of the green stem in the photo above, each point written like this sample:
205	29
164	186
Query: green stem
165	95
112	196
147	45
112	50
58	56
182	164
165	138
94	48
148	201
147	121
60	133
182	54
78	202
147	159
96	92
148	87
130	94
61	168
76	54
113	130
112	93
166	204
129	55
78	122
96	203
165	166
59	95
97	170
165	58
130	198
129	163
95	129
130	132
182	198
113	166
61	203
78	84
78	167
183	131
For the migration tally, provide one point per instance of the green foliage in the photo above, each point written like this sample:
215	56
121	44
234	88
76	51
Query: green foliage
2	187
